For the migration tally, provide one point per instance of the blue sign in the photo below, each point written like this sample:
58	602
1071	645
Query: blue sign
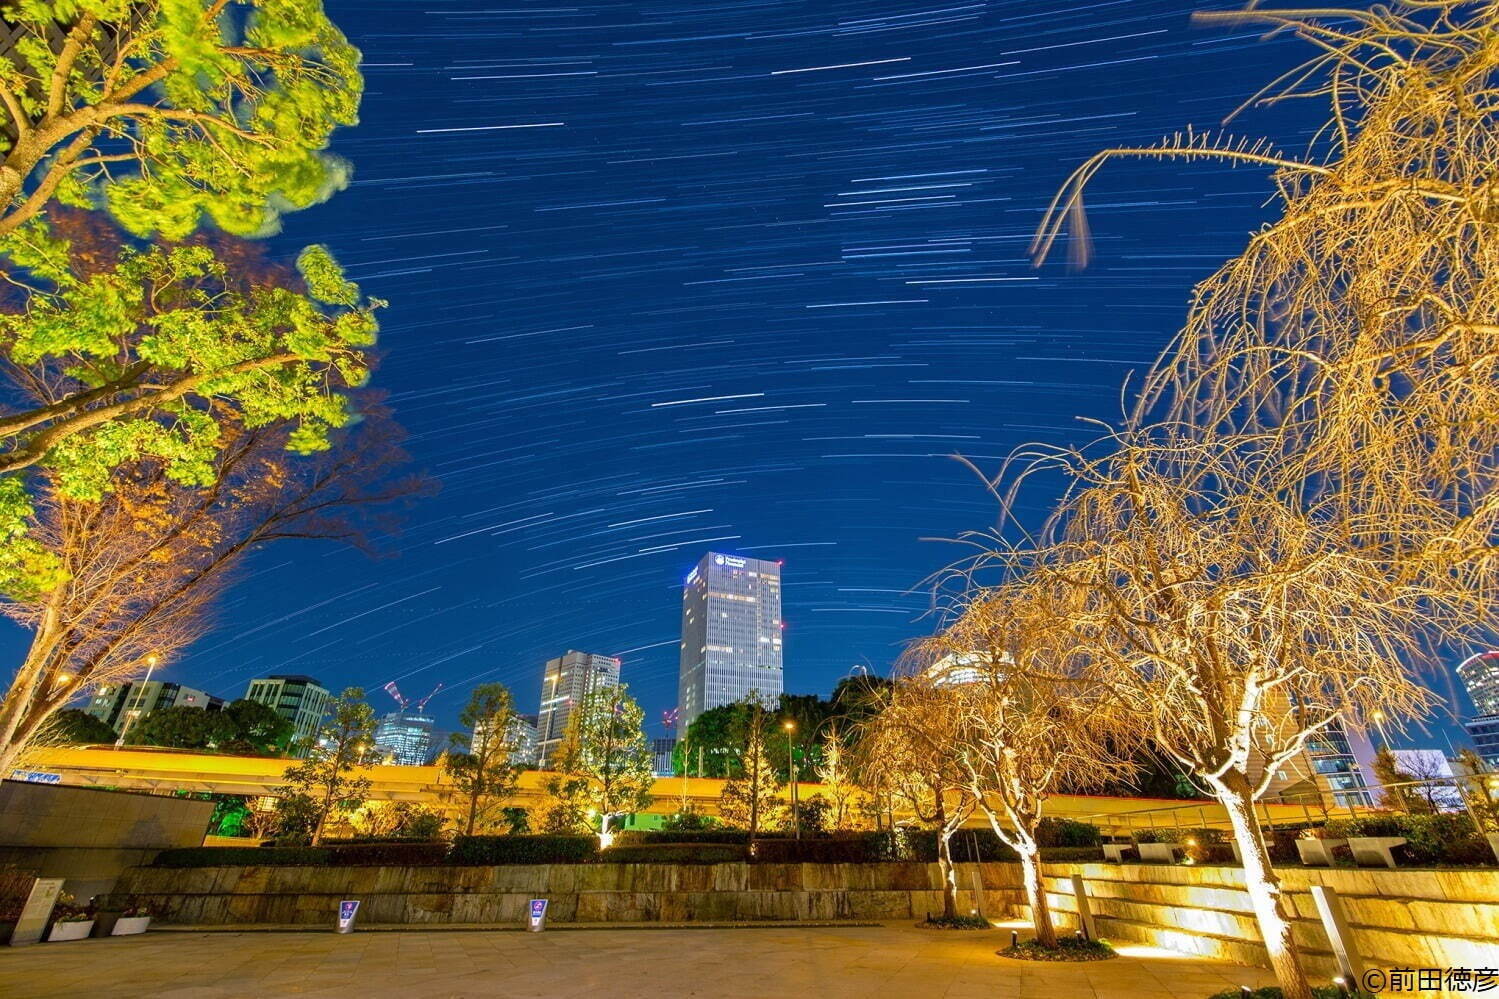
36	777
347	910
538	914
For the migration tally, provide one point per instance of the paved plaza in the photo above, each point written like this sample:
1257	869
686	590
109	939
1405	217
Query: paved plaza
805	963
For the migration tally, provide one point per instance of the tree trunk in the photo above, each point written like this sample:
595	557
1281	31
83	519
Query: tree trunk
473	813
1035	894
945	864
1233	792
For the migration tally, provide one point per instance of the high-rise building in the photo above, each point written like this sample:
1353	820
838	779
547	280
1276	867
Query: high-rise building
1484	731
299	699
731	635
404	738
1480	674
662	751
520	734
565	681
116	704
1338	760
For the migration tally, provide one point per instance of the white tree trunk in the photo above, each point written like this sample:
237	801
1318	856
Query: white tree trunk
1035	894
949	873
1233	792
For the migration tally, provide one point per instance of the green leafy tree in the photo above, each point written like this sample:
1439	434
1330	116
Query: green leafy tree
173	110
336	774
78	728
179	727
749	800
250	726
604	760
479	764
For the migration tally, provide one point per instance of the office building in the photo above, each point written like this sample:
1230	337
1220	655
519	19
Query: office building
1480	675
116	703
731	635
520	734
299	699
662	751
565	681
1484	731
1339	762
404	738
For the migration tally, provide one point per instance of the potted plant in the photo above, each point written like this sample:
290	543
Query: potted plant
70	921
134	918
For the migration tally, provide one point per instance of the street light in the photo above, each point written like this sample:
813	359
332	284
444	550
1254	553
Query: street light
796	818
130	715
1378	718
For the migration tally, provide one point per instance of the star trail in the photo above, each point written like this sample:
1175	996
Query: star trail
747	276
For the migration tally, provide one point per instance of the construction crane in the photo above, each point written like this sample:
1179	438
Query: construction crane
391	689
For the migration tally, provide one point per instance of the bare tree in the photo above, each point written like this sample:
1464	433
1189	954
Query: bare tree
835	774
914	742
1022	721
144	565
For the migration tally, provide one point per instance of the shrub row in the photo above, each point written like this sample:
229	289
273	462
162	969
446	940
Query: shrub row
644	837
1430	839
676	853
487	851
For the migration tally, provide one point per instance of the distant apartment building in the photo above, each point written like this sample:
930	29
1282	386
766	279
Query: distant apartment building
520	734
115	703
299	699
662	751
731	635
1342	764
404	738
565	681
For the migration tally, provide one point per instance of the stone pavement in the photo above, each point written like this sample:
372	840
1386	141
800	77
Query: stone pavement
894	960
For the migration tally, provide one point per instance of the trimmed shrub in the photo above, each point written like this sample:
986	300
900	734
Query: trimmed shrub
490	851
675	853
1071	854
393	854
1067	832
1446	838
244	856
645	837
862	848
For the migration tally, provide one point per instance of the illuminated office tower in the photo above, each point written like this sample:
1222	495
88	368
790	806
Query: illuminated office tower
731	635
565	681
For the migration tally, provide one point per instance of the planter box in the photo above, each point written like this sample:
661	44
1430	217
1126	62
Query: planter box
129	926
1374	851
1317	852
1119	852
75	930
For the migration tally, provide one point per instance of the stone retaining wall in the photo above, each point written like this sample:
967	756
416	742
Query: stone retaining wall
584	893
1413	918
1409	918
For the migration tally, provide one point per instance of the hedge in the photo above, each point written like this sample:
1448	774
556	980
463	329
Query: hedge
486	851
393	854
859	848
245	856
676	853
645	837
1430	839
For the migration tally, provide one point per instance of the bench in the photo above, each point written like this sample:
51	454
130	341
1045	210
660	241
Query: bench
1159	853
1374	851
1317	852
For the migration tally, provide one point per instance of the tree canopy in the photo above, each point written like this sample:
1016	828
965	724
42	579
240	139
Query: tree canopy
173	110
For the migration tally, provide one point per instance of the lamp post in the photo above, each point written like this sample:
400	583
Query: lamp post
1378	718
796	817
130	714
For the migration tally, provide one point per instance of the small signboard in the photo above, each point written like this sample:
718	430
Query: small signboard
347	910
36	912
538	915
36	777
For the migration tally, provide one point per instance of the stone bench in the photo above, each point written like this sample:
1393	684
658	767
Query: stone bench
1159	853
1374	851
1317	852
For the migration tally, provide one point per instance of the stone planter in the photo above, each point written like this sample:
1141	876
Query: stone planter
129	926
1158	853
76	929
1493	839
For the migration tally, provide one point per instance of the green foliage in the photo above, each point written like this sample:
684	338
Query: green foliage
335	774
226	117
1066	949
605	765
515	820
1275	992
675	853
243	856
486	851
688	819
77	728
254	725
1444	838
480	766
242	726
643	837
811	814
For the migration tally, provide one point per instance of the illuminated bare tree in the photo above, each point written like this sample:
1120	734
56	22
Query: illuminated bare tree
1024	721
912	743
835	774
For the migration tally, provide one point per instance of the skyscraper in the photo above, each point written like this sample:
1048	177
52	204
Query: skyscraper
1480	674
731	634
299	699
565	681
404	737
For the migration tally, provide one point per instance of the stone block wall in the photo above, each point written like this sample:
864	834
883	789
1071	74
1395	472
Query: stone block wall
583	893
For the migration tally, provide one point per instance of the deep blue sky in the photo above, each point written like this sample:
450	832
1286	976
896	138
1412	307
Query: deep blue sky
667	277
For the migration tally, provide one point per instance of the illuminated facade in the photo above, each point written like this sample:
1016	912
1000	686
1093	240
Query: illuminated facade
565	681
114	703
1480	674
731	635
404	738
299	699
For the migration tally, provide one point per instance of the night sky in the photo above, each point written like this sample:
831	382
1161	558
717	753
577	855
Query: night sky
739	276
